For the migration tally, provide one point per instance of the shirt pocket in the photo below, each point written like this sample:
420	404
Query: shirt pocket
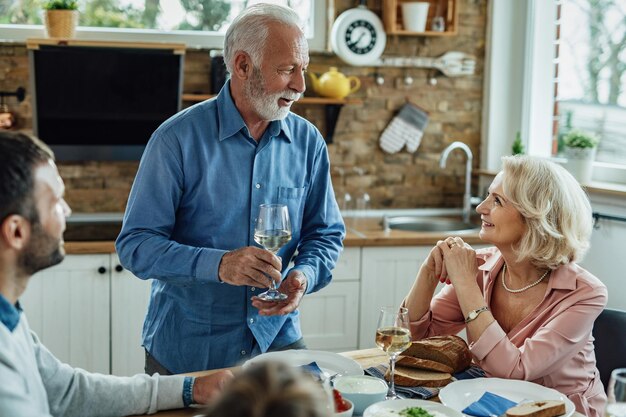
293	198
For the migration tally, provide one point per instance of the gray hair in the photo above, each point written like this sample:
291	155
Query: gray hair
555	208
249	30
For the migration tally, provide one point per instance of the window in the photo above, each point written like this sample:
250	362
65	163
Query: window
198	23
537	79
591	92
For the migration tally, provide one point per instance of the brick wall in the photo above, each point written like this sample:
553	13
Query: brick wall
401	180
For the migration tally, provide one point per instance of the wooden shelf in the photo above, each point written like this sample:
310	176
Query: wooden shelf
392	17
332	108
303	100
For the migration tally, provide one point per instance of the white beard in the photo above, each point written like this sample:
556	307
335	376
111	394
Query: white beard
264	104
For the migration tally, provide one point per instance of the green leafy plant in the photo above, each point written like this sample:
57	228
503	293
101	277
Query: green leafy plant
518	146
580	139
60	5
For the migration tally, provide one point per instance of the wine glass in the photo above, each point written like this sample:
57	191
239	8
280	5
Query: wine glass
393	337
272	231
616	404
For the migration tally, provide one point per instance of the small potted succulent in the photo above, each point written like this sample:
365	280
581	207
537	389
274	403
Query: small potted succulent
60	18
579	148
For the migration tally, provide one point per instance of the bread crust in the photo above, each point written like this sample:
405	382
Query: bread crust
451	351
412	377
411	362
547	408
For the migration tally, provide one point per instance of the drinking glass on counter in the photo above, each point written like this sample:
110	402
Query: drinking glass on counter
272	231
616	404
393	337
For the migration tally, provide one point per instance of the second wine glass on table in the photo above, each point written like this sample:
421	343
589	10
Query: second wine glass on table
393	337
272	231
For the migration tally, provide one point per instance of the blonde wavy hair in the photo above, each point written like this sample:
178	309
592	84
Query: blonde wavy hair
555	208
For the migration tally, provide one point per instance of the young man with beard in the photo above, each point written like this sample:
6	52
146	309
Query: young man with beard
32	381
190	217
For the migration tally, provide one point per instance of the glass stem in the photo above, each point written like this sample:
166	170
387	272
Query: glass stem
392	372
272	287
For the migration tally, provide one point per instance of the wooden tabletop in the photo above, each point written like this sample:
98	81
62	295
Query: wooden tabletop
365	358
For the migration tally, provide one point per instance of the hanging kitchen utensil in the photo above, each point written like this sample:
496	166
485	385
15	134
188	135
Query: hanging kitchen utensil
451	64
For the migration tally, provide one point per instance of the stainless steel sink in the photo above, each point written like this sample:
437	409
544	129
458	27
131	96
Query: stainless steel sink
428	224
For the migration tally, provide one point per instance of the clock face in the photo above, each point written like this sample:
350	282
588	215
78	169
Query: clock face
358	36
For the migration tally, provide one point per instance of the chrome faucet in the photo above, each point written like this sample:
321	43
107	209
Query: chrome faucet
467	197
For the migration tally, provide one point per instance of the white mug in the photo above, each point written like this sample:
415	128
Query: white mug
414	15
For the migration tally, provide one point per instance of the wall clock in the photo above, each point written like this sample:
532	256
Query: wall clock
358	36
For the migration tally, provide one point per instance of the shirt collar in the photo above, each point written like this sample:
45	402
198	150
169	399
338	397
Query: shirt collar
561	278
9	314
231	122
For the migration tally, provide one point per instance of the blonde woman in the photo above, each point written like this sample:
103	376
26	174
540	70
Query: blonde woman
528	308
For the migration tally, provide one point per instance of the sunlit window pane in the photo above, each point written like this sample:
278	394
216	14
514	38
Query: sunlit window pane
592	74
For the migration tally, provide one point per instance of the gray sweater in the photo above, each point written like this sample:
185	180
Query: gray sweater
35	383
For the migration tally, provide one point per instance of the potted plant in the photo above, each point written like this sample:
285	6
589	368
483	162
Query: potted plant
60	18
579	148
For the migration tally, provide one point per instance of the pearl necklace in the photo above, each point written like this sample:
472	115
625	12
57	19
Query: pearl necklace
545	274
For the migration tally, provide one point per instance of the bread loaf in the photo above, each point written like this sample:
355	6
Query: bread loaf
412	377
451	351
547	408
411	362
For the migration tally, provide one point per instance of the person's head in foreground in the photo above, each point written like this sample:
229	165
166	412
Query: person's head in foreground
537	209
32	208
271	389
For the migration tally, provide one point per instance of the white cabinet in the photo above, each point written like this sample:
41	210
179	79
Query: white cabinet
387	276
130	297
89	311
68	307
329	318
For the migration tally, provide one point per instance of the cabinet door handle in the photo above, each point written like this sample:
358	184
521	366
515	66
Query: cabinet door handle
119	268
102	270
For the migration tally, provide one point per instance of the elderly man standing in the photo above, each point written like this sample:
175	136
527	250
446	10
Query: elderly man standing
190	218
32	381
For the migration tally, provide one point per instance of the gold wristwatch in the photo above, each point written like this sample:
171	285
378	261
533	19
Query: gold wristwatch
474	313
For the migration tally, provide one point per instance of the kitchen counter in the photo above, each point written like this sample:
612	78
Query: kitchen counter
360	232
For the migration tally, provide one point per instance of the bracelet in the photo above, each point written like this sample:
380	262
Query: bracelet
474	313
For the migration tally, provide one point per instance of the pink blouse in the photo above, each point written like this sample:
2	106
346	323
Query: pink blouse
552	346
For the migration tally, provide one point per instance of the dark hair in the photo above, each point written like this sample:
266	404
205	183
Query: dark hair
271	389
19	154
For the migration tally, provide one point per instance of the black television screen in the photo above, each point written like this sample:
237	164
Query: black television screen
102	103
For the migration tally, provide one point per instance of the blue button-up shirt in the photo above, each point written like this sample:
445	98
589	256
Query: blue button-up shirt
196	196
9	313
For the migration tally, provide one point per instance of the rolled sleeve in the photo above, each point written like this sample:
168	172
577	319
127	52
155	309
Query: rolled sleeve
487	341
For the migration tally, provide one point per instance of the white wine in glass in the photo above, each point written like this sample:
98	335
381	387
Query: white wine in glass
272	231
616	404
393	337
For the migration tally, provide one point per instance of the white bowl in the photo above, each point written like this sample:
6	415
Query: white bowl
348	412
362	390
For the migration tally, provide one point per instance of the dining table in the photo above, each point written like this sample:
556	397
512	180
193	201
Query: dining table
364	357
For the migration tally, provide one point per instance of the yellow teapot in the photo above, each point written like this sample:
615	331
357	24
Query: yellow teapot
334	84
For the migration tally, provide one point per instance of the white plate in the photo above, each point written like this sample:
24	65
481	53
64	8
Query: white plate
330	363
460	394
384	408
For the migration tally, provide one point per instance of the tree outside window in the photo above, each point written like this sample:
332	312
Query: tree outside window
592	73
164	15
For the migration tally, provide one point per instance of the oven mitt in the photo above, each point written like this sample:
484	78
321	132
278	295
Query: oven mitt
489	405
406	128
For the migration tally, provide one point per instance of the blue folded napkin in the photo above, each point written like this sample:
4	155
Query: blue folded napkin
489	405
313	369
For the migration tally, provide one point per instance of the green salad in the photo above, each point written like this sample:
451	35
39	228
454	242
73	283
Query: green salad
415	412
